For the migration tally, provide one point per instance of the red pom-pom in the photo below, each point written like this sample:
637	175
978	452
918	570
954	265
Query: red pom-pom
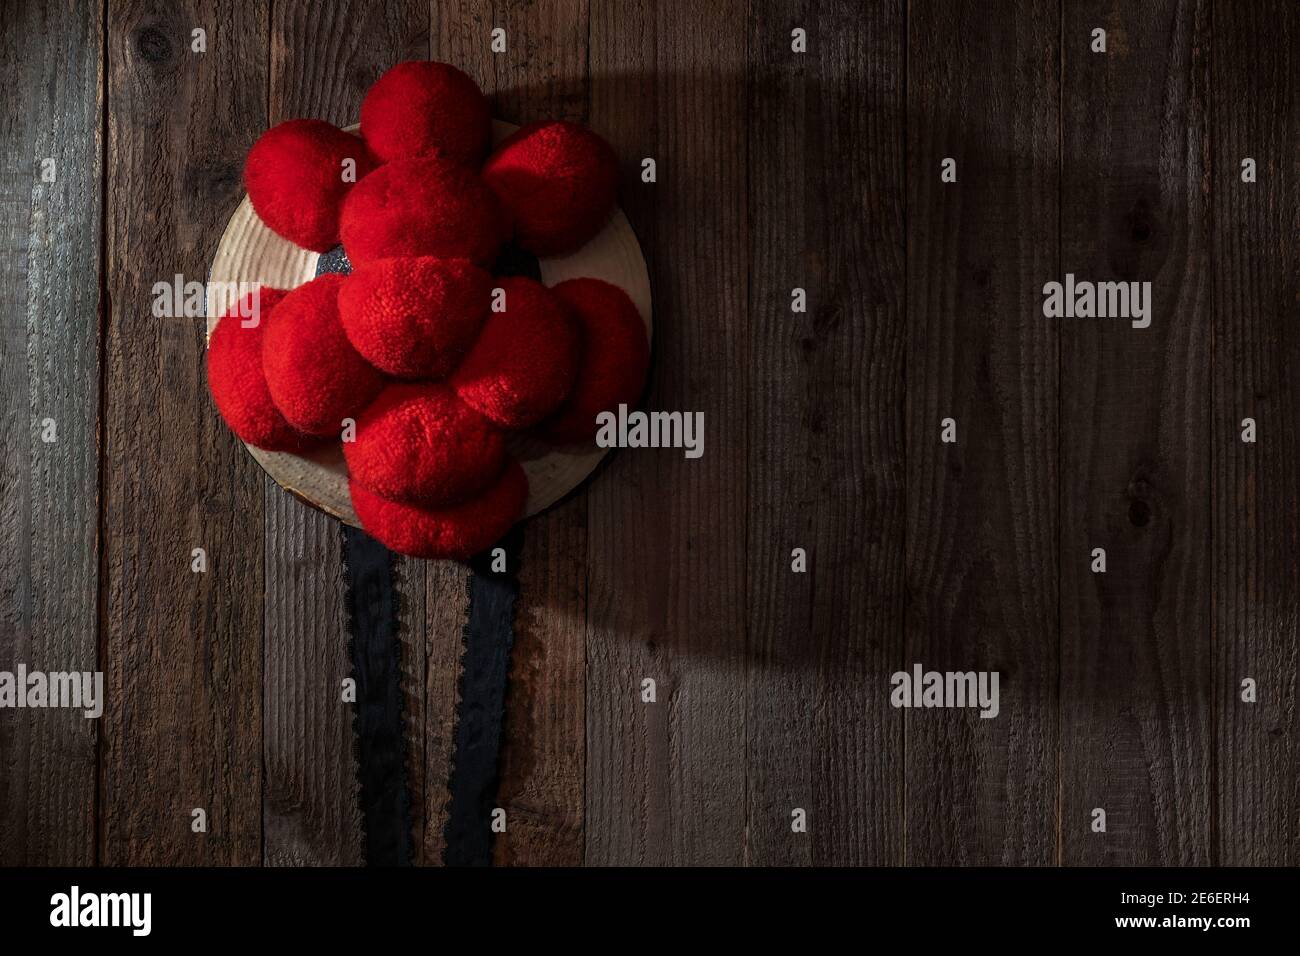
558	181
415	317
522	366
236	380
294	174
420	443
615	358
420	108
315	376
421	207
458	531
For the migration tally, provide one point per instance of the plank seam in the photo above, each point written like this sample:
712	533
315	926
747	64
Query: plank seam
105	311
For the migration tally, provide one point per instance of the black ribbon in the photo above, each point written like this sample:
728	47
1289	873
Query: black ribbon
372	606
489	636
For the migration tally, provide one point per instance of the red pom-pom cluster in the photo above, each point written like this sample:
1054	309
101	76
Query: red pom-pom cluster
419	443
238	381
615	357
559	182
522	366
422	207
430	357
426	109
458	530
297	175
316	378
415	317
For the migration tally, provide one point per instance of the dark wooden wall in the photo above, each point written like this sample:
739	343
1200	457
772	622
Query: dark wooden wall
775	170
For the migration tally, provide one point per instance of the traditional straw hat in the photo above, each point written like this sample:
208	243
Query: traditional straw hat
249	252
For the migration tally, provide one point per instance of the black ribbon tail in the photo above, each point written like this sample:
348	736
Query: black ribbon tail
489	636
373	645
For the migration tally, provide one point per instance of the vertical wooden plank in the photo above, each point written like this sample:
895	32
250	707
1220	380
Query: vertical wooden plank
446	586
183	650
447	607
543	72
1135	440
981	528
49	370
309	807
626	786
826	401
323	59
541	75
666	545
543	755
1256	584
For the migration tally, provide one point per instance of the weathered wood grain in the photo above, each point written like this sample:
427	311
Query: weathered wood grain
1256	583
1135	440
666	574
541	75
625	785
446	610
822	432
543	72
825	442
543	758
310	813
981	523
433	689
50	231
182	650
323	58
